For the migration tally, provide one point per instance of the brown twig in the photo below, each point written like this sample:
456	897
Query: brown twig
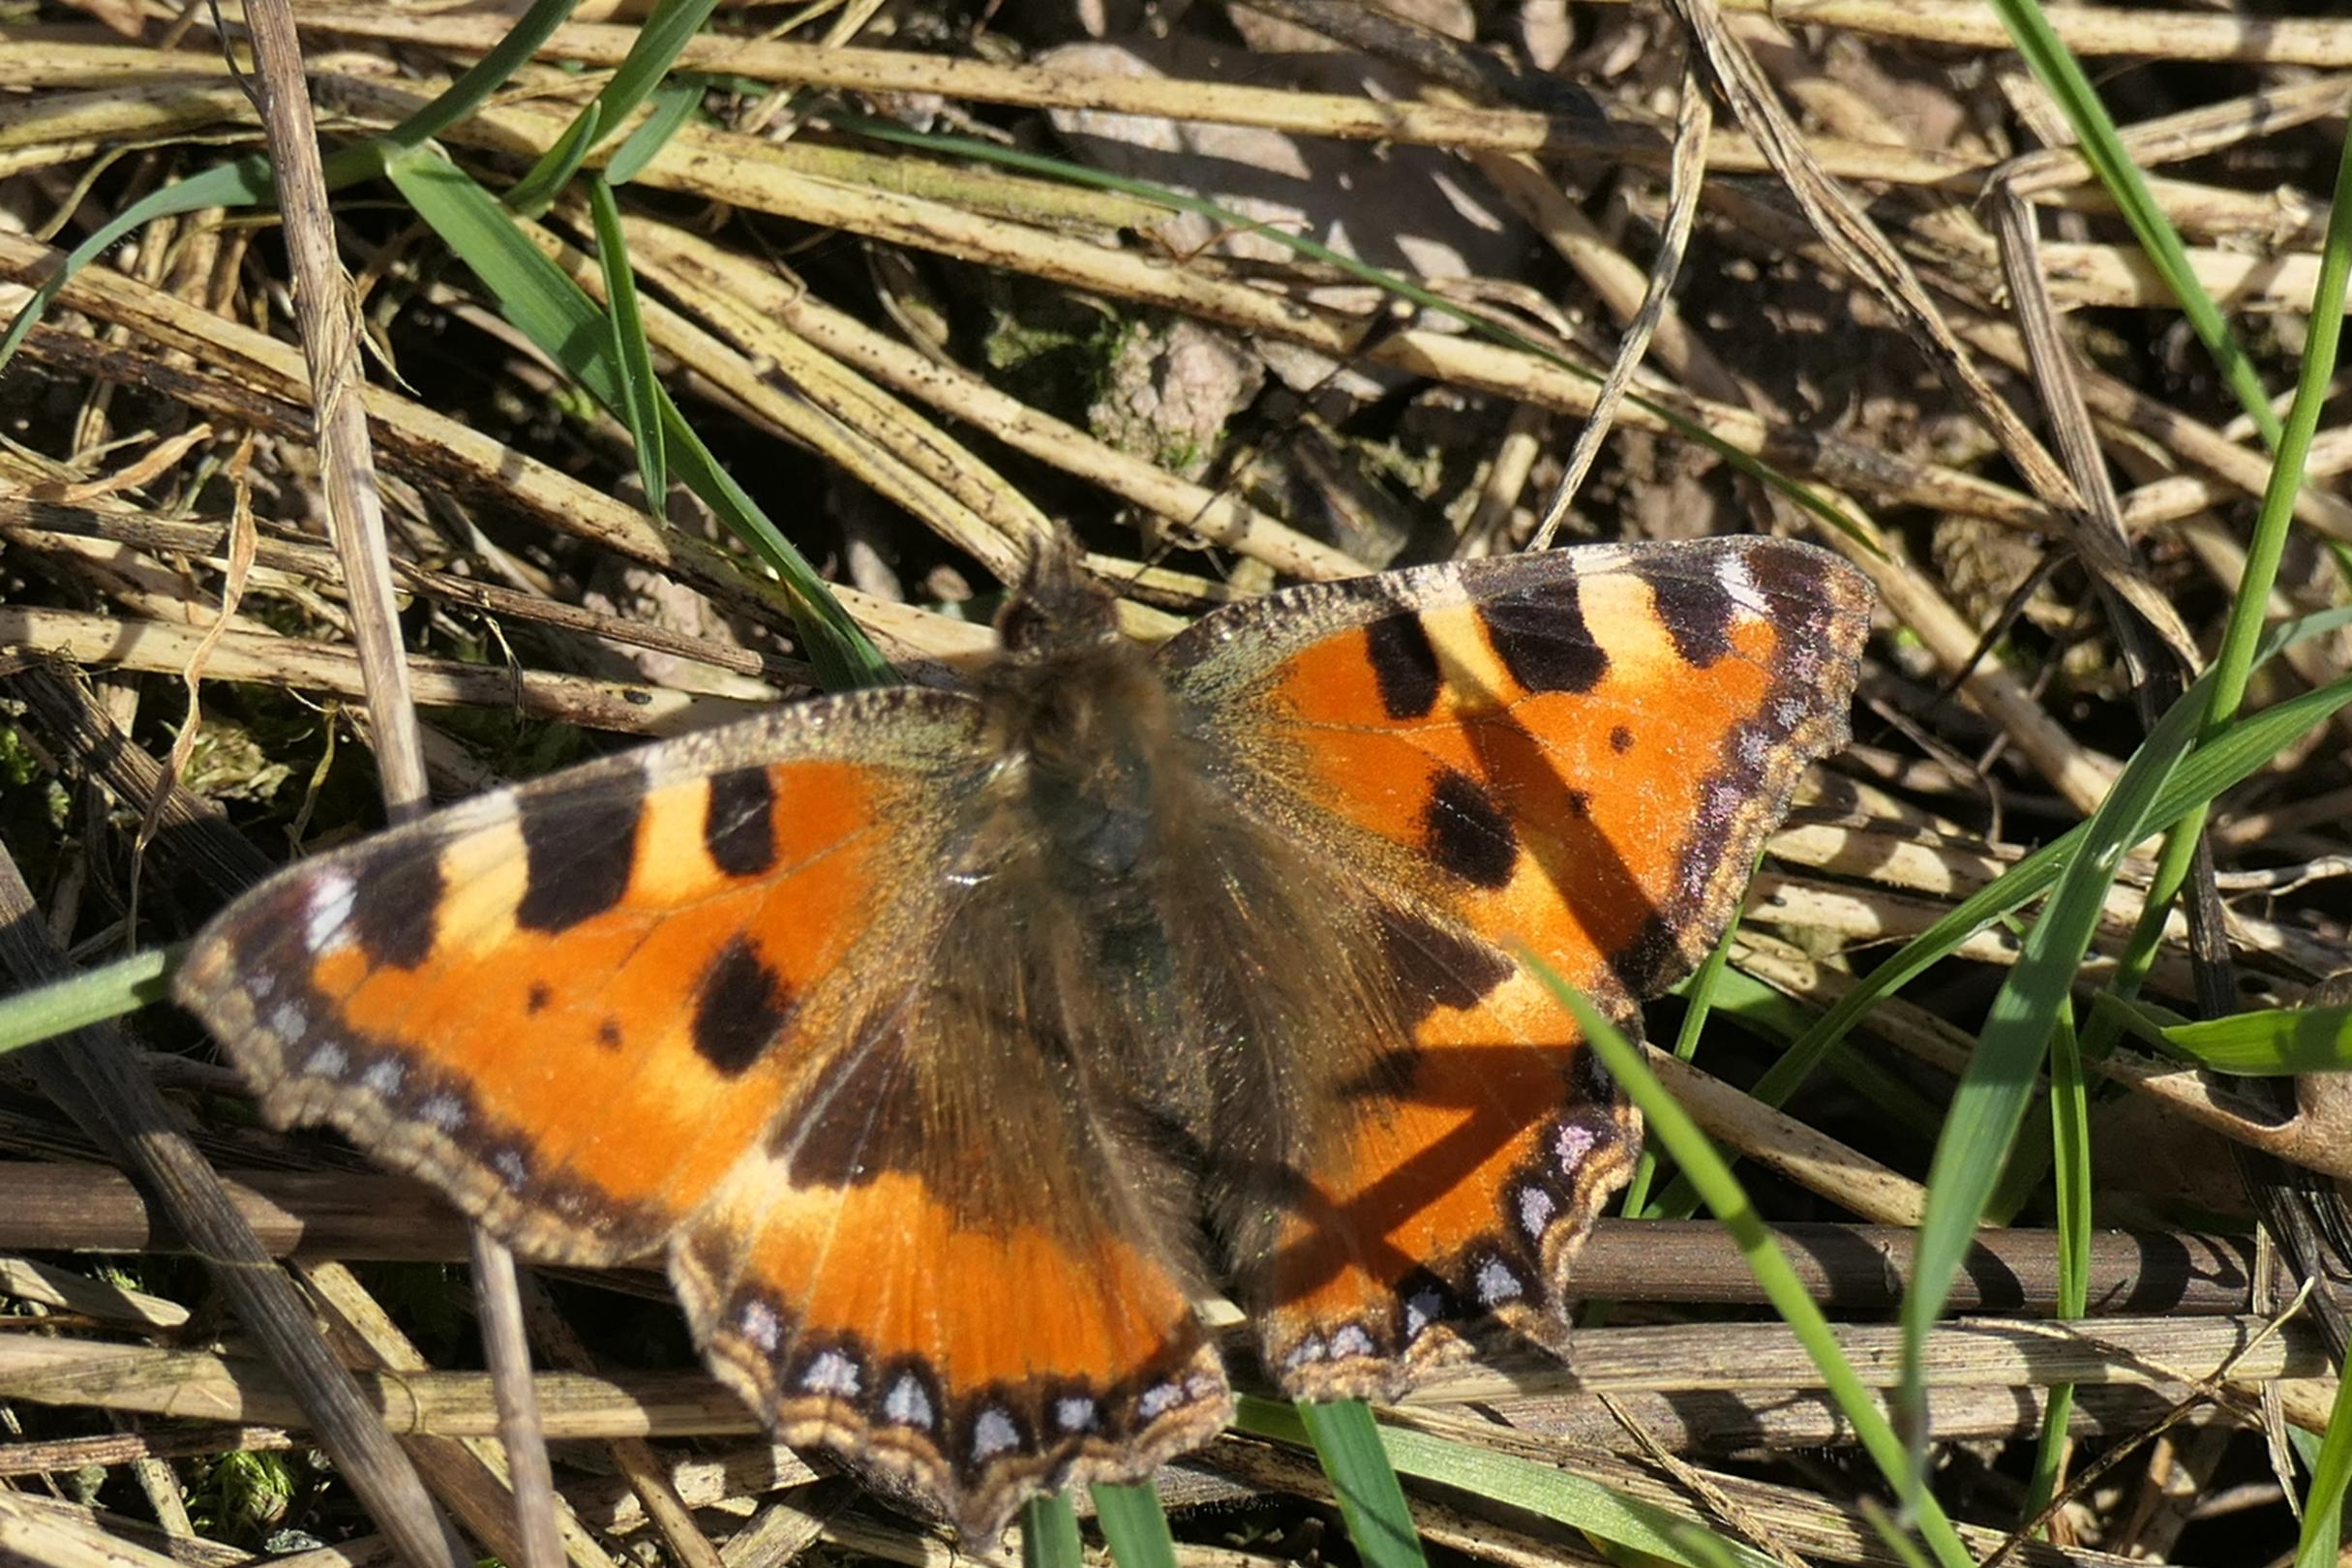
324	310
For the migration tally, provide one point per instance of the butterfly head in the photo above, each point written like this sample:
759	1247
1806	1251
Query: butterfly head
1064	671
1055	612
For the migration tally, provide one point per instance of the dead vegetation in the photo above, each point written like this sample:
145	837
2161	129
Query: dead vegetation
1845	241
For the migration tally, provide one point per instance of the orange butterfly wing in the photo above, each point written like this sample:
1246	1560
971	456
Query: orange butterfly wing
1578	751
678	999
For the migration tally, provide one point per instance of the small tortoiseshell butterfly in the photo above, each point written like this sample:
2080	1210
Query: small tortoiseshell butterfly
950	1044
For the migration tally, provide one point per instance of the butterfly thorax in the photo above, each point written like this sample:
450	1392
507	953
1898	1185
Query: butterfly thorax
1085	842
1084	750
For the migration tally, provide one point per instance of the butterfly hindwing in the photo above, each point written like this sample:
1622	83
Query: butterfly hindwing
1444	1182
1576	752
953	1255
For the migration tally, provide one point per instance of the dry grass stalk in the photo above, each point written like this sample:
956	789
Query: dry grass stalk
1894	845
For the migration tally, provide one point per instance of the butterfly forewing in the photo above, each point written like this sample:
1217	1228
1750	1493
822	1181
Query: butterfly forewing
575	1004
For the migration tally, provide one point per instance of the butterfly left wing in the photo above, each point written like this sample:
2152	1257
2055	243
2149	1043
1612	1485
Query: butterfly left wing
557	1002
1578	751
730	997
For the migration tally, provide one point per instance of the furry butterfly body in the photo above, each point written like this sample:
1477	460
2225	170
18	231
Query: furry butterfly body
950	1044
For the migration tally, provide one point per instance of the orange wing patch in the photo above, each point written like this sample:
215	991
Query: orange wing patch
1589	758
1458	1187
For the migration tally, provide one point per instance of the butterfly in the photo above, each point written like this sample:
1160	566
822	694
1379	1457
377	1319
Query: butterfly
951	1046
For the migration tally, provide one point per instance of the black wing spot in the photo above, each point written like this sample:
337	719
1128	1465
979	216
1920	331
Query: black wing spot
396	916
1543	641
579	848
1405	665
608	1033
1467	833
1651	960
1696	609
1425	1301
741	1006
740	824
537	999
1620	740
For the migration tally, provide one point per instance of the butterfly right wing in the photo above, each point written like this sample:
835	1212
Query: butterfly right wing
1578	753
704	998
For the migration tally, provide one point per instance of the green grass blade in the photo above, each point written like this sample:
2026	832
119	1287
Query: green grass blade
2174	861
674	103
2103	147
838	647
90	997
2234	661
2071	1150
2268	1042
1542	1490
1991	1098
665	35
1050	1534
1672	1126
1136	1526
492	72
1372	1500
2113	1016
2070	1159
1699	1002
557	314
2323	1506
533	195
1889	1530
640	388
245	183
